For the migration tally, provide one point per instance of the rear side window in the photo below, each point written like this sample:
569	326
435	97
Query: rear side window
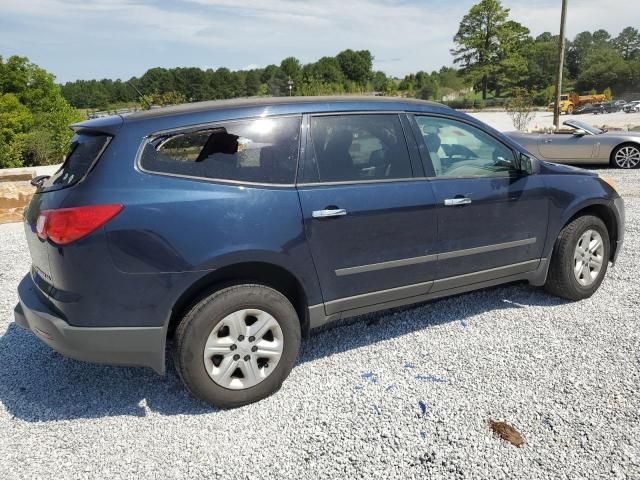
84	152
348	148
263	150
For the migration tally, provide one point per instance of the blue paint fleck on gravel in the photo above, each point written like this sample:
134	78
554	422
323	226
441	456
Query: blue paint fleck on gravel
370	376
431	378
424	409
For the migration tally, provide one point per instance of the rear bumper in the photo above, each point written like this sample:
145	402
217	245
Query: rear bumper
133	346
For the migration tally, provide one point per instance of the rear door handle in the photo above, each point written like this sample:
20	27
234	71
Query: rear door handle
452	202
328	213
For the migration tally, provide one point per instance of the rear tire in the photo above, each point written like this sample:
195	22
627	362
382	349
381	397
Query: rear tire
251	334
626	156
579	260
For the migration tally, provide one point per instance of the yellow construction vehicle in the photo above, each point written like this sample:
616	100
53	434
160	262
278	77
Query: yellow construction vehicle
569	101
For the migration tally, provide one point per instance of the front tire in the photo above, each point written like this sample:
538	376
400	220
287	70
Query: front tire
579	260
237	345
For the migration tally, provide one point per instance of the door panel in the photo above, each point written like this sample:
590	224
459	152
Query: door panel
385	240
505	223
369	227
566	146
490	213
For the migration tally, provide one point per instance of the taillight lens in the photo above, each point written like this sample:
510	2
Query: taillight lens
66	225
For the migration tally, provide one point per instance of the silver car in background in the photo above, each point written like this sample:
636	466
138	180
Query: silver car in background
583	143
632	107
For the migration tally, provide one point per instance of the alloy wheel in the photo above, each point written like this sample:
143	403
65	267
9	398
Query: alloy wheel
627	157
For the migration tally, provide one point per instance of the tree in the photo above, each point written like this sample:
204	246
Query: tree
427	87
356	66
512	65
327	70
292	68
379	81
542	55
450	78
486	43
577	51
252	82
628	43
33	113
604	68
168	98
15	122
601	38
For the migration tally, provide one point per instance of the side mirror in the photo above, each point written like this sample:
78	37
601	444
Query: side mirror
579	132
525	164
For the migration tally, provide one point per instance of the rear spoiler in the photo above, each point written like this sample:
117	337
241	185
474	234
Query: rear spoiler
106	125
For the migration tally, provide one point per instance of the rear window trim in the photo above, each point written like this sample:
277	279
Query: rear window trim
95	161
217	124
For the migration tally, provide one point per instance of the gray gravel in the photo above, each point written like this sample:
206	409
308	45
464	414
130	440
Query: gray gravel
565	375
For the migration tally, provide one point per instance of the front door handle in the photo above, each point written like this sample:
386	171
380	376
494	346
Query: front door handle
328	213
452	202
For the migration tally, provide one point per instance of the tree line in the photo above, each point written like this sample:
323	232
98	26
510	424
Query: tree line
494	55
348	72
498	54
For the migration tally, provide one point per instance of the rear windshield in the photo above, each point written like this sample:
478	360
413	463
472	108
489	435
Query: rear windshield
84	151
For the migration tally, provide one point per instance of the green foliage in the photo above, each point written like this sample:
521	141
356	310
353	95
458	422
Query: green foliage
34	116
15	122
497	54
356	66
604	67
490	47
167	98
292	68
628	43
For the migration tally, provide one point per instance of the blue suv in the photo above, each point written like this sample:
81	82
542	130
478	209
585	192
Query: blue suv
235	227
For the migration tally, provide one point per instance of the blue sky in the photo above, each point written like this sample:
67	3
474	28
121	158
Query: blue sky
121	38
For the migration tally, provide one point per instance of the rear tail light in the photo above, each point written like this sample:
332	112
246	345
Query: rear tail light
65	225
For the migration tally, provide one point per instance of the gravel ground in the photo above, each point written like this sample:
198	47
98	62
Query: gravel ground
405	394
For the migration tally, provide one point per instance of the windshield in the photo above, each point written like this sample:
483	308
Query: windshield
578	125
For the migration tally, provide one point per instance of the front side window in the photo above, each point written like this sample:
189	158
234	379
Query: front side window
263	150
349	148
457	149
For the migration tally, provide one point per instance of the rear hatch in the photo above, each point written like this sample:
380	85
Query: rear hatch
87	147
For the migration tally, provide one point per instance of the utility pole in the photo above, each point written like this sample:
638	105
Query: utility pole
561	45
290	85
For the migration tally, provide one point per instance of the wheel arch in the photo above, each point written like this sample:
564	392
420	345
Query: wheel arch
605	213
264	273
